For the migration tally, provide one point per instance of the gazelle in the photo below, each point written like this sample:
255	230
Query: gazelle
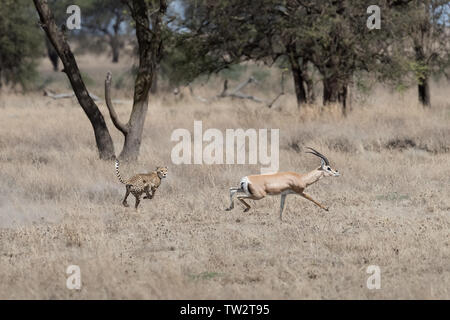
256	187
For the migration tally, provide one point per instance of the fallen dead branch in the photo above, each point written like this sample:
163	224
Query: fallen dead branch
57	96
237	92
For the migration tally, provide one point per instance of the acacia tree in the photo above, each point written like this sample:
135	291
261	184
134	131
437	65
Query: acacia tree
305	33
413	43
150	48
106	19
427	32
336	40
332	36
108	22
19	46
223	33
338	43
148	18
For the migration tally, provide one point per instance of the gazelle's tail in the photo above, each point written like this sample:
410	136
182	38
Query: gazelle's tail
244	185
118	173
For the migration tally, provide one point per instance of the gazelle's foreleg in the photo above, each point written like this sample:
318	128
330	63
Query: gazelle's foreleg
304	195
247	206
233	191
283	198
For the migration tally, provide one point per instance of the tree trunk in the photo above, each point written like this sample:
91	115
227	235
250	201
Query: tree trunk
342	98
297	74
150	50
102	137
310	94
132	143
423	76
154	87
150	45
114	38
52	54
115	48
330	90
424	92
335	91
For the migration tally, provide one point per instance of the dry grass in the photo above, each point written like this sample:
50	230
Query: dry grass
60	205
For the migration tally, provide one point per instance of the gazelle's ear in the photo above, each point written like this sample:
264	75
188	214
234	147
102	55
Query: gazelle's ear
322	163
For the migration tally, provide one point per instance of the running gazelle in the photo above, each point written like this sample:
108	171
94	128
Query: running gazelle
256	187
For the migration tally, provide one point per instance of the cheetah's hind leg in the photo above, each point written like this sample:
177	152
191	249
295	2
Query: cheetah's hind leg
137	196
124	202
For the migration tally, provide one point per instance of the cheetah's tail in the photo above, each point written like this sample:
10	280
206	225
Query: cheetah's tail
118	173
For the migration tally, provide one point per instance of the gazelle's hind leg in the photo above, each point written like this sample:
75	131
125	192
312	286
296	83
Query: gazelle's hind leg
247	206
233	191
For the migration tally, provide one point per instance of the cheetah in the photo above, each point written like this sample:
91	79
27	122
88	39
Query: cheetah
142	183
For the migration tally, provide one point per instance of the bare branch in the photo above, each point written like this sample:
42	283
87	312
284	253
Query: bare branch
270	105
243	85
244	96
225	88
236	93
112	112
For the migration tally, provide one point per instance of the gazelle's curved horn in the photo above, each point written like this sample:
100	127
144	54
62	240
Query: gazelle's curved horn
317	153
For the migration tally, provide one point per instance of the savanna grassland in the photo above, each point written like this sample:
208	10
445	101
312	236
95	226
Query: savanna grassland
60	205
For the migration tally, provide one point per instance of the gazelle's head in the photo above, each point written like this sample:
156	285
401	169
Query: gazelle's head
325	164
162	172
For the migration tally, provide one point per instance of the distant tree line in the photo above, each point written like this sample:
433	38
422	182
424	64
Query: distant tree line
206	36
328	36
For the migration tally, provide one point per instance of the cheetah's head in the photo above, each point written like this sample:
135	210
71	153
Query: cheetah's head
162	172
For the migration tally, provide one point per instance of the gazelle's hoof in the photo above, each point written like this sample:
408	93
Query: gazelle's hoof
246	209
228	209
125	204
326	209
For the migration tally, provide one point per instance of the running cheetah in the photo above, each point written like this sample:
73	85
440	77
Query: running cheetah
142	183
